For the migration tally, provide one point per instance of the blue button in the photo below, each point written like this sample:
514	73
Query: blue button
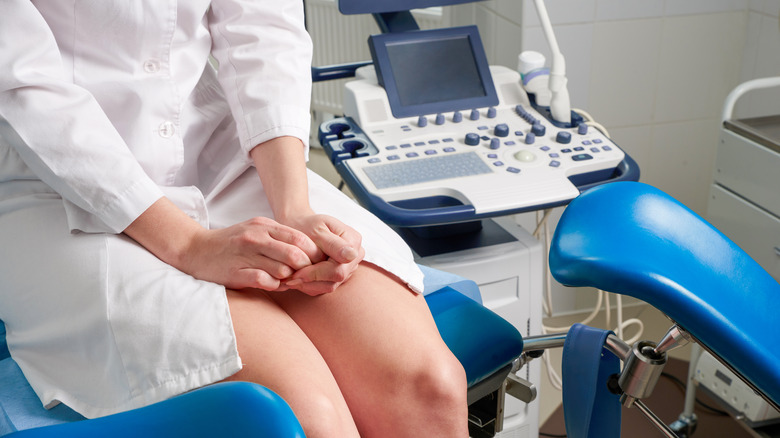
597	141
391	148
582	129
530	138
430	152
555	163
422	121
491	113
498	163
581	157
412	154
457	117
482	128
495	143
439	119
513	169
563	137
606	148
492	156
579	149
393	157
595	150
406	145
419	143
472	139
566	151
545	148
586	142
448	140
449	149
374	160
554	155
519	133
538	129
501	130
510	143
433	142
474	114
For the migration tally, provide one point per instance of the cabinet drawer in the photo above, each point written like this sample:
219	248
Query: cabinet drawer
749	169
755	230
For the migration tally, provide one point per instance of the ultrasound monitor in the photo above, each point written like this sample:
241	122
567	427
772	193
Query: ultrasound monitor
348	7
433	71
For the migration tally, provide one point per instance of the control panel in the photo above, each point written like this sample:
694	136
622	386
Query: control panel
464	164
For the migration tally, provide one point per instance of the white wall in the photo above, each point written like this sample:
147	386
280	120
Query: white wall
655	73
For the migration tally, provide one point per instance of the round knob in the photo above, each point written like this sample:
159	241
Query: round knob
472	139
495	143
582	129
530	138
563	137
457	117
474	114
422	121
439	119
501	130
538	129
491	113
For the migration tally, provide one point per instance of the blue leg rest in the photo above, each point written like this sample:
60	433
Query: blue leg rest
633	239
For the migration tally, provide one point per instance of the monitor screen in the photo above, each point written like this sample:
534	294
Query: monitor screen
433	71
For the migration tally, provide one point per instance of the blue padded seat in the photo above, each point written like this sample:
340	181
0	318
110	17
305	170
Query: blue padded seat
633	239
482	341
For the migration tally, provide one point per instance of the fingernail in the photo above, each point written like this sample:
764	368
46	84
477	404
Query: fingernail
349	253
294	283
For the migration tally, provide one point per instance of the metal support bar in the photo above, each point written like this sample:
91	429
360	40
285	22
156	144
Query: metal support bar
654	419
520	388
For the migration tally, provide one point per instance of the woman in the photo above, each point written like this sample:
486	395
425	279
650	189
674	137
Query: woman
143	252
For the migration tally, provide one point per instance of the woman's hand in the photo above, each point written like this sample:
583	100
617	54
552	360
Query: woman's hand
258	253
341	245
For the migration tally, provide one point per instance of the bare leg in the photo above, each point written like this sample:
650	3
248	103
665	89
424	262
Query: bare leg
382	345
278	355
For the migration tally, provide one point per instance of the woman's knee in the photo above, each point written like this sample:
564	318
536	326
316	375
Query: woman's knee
321	417
439	380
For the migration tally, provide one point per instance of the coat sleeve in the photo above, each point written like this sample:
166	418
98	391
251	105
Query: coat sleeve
264	55
60	131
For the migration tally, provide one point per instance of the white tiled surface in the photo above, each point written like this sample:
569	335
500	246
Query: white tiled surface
654	73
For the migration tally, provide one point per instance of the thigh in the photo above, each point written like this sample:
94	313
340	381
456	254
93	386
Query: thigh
371	326
277	354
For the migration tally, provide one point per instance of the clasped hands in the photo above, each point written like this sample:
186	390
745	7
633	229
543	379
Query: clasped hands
311	253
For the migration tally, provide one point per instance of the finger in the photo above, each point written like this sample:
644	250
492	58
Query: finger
338	241
278	258
317	288
328	271
297	239
253	278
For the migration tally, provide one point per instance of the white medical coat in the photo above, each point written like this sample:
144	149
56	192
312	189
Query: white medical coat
105	106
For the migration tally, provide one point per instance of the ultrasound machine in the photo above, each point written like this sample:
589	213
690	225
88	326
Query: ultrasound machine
447	148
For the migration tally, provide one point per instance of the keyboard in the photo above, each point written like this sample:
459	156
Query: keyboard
403	173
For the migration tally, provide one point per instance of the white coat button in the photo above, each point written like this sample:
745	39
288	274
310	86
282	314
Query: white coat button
151	65
166	129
